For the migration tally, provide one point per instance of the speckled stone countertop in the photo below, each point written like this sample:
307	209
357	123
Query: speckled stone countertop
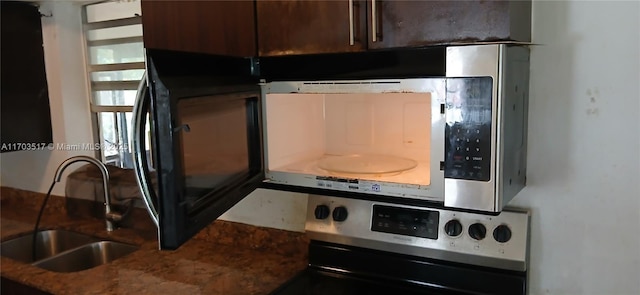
224	258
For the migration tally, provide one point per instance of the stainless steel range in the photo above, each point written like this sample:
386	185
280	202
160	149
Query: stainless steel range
363	246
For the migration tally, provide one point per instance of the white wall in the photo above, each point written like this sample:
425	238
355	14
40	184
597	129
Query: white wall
584	148
276	209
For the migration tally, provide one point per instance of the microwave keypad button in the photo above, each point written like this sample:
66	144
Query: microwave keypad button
468	152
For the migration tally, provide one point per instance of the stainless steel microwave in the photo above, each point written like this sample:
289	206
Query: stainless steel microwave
457	139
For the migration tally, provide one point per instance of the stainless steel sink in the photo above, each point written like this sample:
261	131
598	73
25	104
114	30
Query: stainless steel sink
86	257
64	251
48	243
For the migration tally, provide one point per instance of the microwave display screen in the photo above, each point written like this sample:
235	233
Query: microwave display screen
468	128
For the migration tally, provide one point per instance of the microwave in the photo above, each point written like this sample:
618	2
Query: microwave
220	128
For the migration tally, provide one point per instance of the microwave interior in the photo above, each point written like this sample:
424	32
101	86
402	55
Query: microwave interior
340	140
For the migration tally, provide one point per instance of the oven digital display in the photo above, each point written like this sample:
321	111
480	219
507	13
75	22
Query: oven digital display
405	221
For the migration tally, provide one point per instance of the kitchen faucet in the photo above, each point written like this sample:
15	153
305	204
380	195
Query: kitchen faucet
110	216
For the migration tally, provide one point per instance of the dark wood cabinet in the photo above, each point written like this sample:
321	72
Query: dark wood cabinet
308	27
26	117
289	27
213	27
419	23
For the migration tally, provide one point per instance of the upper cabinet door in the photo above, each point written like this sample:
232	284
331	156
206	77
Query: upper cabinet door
24	95
213	27
309	27
418	23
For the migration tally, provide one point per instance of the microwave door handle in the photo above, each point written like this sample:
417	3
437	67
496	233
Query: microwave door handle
140	109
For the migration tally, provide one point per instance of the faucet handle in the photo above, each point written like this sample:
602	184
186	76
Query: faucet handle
113	216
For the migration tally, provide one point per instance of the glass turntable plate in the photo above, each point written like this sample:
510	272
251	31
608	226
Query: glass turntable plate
366	164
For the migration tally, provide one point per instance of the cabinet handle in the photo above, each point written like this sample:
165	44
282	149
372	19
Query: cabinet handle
374	24
351	33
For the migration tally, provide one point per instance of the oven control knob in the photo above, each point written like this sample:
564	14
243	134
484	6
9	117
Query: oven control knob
453	228
322	212
502	233
477	231
340	213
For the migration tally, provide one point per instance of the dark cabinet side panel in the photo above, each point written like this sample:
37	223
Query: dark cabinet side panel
419	23
213	27
26	117
310	27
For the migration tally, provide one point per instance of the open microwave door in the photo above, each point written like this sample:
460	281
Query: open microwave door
206	141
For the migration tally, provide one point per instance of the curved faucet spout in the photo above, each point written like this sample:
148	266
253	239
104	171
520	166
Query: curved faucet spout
109	215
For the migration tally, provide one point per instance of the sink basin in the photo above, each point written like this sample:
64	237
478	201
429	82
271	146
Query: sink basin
64	251
48	243
86	257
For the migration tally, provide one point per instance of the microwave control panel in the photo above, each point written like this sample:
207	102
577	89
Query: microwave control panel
468	113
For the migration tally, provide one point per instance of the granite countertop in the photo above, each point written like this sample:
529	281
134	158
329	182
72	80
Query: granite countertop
224	258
